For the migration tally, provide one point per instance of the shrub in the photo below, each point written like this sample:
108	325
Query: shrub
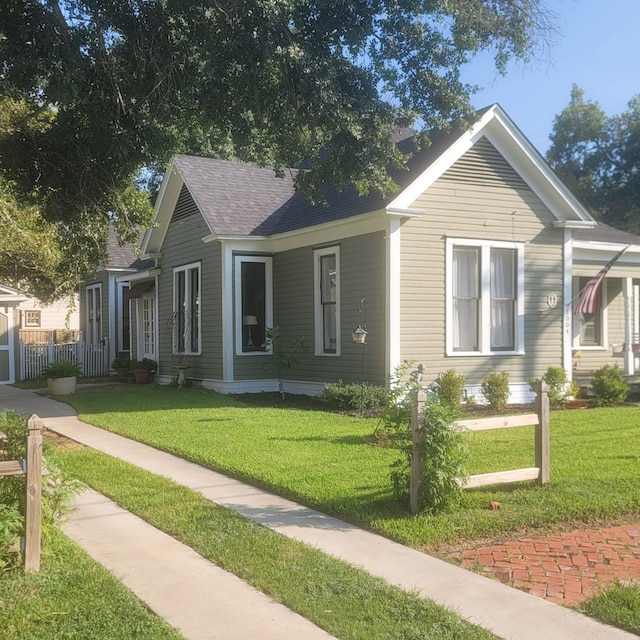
11	523
609	386
354	396
62	369
451	387
560	390
495	389
121	362
445	454
147	364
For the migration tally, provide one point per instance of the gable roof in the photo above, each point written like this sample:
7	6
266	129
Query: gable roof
123	256
244	200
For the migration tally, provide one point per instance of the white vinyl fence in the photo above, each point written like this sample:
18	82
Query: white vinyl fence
92	358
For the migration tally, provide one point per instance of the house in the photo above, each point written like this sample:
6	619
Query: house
475	264
59	320
109	296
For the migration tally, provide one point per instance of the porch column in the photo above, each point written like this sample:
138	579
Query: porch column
627	289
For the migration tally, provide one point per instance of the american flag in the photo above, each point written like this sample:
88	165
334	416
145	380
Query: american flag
589	295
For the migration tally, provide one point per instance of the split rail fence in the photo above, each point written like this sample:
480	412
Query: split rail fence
31	467
540	420
92	358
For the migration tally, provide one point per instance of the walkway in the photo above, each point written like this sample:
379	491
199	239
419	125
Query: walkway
510	613
565	568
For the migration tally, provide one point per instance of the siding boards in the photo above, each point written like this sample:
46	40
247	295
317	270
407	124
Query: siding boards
183	245
362	275
480	197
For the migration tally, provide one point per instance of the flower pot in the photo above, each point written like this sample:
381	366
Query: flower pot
142	376
61	386
123	373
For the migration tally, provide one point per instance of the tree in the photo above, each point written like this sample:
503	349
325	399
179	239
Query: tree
598	158
100	89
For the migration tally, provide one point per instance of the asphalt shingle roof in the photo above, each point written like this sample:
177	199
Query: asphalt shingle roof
604	233
123	256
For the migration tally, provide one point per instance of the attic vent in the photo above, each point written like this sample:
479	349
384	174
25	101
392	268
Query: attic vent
185	207
484	165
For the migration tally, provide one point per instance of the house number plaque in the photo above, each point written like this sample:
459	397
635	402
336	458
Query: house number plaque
552	300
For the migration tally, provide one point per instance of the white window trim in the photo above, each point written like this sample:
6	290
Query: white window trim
91	290
186	268
604	318
485	298
120	288
318	315
268	300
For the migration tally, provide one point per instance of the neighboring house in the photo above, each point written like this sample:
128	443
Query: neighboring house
10	299
60	319
474	265
109	297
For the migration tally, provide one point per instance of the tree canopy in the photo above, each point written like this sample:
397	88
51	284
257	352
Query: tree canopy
93	91
598	158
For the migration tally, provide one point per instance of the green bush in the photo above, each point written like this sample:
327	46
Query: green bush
445	454
11	523
451	387
354	396
495	389
609	386
560	389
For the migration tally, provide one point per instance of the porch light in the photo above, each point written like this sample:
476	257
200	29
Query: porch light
359	336
249	321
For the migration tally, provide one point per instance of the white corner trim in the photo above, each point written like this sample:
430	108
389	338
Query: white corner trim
393	295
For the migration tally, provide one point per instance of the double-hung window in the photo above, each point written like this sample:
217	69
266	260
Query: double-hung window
485	297
186	309
327	301
93	299
254	303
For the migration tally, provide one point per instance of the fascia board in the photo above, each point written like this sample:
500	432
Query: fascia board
139	275
165	204
310	236
586	245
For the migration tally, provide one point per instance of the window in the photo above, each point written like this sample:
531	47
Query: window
254	307
94	314
148	327
186	309
590	325
327	301
31	318
485	297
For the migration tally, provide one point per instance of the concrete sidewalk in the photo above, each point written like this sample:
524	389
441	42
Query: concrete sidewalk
509	613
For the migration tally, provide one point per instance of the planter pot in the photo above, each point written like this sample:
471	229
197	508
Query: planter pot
576	404
123	374
142	376
61	386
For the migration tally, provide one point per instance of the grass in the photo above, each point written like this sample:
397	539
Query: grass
73	598
41	383
346	601
618	605
321	459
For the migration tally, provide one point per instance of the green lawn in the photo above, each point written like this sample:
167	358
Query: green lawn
321	459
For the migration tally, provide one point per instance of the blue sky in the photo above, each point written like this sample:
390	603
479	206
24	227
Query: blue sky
597	48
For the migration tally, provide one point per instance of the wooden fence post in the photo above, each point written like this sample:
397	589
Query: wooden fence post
417	453
33	491
542	431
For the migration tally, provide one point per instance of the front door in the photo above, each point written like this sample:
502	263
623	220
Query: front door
7	374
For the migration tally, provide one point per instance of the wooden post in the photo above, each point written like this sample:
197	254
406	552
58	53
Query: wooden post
33	490
542	431
417	455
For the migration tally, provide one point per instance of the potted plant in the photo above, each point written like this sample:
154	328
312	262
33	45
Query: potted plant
143	369
122	364
61	376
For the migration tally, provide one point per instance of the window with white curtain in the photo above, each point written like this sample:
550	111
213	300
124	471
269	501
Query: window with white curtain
485	297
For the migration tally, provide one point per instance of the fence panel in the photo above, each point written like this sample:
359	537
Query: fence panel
93	358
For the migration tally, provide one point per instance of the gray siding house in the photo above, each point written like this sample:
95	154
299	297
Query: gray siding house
475	264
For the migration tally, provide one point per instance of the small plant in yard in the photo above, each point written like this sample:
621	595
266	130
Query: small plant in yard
617	604
284	359
11	523
445	453
451	386
560	389
609	386
495	389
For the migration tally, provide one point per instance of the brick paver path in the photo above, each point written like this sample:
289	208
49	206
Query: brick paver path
564	568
